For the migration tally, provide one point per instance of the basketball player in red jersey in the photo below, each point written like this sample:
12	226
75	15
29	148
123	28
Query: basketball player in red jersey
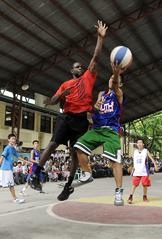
76	94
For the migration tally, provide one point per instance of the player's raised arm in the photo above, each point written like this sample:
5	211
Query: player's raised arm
101	30
115	82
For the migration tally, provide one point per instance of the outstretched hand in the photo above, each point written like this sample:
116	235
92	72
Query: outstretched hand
101	28
116	69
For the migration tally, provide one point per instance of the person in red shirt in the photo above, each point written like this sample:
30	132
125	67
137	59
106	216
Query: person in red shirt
76	97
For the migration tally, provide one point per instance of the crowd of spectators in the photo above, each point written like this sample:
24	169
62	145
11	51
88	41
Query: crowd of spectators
57	168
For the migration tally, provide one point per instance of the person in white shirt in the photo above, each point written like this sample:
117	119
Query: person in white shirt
141	170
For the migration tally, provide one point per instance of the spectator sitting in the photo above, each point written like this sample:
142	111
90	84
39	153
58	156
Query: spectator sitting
18	173
25	169
65	171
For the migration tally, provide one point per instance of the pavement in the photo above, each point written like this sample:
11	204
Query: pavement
89	213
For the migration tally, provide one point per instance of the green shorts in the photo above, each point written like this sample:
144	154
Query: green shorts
101	136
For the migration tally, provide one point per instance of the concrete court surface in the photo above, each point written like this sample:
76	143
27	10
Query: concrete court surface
89	213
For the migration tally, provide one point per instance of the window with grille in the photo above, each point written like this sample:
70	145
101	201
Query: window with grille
45	124
27	120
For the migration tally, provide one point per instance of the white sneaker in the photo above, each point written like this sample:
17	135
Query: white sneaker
22	193
118	197
19	200
86	177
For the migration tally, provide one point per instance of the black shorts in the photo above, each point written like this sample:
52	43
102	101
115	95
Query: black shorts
69	127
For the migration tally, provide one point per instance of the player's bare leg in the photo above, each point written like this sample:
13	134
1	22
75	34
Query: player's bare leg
118	174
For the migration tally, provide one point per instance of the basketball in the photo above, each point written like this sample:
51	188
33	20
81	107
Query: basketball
122	56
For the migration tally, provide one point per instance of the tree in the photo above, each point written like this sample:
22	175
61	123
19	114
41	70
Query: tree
150	129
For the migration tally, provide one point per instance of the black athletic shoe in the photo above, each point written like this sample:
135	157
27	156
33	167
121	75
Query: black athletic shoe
64	195
35	182
42	192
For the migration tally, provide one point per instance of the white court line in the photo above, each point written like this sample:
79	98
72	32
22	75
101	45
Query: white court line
52	214
23	210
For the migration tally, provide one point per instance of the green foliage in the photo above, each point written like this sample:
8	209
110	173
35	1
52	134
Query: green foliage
150	129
